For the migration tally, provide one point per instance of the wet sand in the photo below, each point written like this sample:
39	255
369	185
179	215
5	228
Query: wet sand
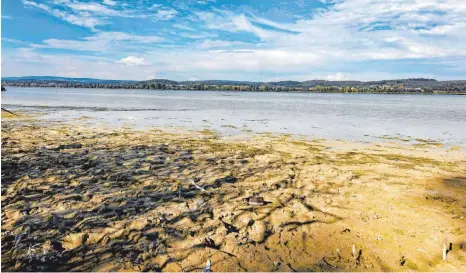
76	198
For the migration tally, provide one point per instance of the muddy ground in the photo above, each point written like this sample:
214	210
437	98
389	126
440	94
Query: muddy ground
82	199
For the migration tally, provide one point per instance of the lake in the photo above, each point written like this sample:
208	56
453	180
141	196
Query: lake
332	116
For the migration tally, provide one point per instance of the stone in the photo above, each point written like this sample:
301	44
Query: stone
255	200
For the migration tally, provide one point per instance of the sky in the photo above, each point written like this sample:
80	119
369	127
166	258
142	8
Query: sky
248	40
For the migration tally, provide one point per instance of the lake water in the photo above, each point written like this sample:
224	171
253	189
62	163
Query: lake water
332	116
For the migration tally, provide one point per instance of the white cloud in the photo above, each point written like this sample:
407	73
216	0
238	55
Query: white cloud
14	41
196	34
228	21
208	44
84	19
26	61
165	14
97	9
336	77
109	2
184	27
360	30
102	41
347	32
155	6
85	14
183	64
132	60
205	2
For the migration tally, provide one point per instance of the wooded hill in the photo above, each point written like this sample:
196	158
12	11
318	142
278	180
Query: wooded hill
416	85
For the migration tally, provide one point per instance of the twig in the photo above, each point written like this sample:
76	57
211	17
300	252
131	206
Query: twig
3	109
329	264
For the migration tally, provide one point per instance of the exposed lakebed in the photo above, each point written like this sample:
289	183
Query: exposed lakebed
76	198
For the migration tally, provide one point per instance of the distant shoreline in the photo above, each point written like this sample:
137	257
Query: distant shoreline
414	85
257	91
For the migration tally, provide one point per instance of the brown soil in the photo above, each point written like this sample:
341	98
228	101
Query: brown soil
82	199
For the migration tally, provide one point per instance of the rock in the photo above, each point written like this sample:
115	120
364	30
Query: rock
255	200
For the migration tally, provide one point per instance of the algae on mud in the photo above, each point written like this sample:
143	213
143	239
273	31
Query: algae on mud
82	199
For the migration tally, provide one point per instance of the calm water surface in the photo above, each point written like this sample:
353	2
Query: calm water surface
334	116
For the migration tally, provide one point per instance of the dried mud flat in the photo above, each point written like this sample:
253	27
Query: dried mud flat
81	199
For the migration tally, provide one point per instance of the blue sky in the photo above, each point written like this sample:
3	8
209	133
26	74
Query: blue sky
235	40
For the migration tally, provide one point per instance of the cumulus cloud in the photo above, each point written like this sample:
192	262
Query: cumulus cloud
336	77
132	60
182	64
347	33
360	29
26	61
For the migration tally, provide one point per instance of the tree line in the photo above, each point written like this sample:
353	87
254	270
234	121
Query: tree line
388	86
